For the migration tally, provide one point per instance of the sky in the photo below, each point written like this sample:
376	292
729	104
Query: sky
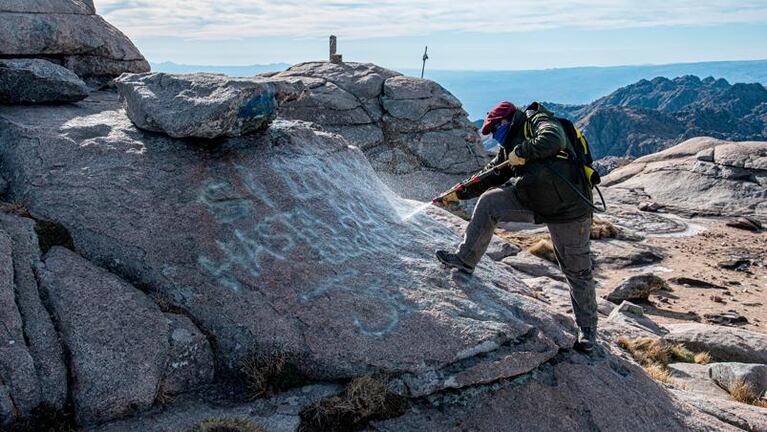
461	35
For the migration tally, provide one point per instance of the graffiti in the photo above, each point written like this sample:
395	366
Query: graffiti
306	212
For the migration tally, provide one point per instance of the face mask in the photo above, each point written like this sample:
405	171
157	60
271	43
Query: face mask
500	133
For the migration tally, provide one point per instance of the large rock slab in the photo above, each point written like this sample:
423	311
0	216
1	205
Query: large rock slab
38	81
69	33
573	395
281	241
201	105
702	175
725	344
728	375
116	337
411	129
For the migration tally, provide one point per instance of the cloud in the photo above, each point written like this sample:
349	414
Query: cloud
355	19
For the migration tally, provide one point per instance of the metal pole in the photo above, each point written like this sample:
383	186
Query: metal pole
425	57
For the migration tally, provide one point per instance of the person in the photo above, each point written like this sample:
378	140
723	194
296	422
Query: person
534	189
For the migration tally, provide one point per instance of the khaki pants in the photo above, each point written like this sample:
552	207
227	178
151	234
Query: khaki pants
571	245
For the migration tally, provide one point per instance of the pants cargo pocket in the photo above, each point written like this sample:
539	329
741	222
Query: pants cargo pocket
576	259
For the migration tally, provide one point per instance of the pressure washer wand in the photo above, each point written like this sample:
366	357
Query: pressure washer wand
460	187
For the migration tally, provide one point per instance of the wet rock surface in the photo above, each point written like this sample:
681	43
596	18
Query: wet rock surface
69	33
31	81
412	130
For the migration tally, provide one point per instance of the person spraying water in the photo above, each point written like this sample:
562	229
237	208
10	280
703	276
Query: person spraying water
542	174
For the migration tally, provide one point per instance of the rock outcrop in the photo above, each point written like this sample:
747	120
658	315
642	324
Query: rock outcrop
246	230
32	369
114	334
701	175
650	116
30	81
69	33
414	132
202	105
286	242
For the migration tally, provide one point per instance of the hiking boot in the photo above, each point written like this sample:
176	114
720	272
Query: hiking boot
587	339
452	260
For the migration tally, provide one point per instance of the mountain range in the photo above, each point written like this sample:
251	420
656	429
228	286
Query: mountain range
651	115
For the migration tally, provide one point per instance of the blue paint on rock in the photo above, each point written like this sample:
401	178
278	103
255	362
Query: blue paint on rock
260	106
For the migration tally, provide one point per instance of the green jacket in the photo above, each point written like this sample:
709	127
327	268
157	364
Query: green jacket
544	145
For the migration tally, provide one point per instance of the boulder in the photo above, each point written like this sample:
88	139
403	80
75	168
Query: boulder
116	337
695	378
637	287
190	361
69	33
245	239
201	105
25	81
728	375
413	131
742	416
734	183
725	344
33	357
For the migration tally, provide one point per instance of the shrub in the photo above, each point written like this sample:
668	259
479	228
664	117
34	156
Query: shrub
744	392
601	228
364	399
266	374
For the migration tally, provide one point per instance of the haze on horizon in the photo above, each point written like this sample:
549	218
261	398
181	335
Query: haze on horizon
492	35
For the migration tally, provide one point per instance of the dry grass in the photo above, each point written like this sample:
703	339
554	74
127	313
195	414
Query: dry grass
523	240
266	374
659	373
601	228
227	425
543	249
364	399
654	355
17	209
703	358
745	393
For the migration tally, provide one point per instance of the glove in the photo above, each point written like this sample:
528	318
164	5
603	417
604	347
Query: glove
515	159
445	200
